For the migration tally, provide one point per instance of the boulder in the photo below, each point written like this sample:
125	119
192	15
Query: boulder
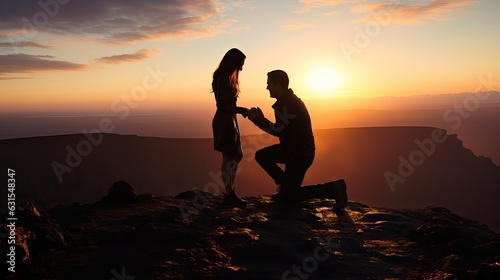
120	192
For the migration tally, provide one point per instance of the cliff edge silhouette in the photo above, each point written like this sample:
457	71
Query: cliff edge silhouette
395	167
185	237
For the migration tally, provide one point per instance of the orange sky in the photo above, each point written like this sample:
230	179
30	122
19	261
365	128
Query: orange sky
93	56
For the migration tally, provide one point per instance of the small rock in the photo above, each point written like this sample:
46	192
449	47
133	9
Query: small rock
451	261
120	192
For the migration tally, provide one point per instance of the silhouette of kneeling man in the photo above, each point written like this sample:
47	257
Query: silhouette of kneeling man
296	148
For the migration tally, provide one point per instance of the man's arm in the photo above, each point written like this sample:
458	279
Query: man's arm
283	120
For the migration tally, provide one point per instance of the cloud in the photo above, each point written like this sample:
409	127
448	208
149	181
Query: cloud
23	44
111	21
401	11
132	57
12	78
25	63
416	13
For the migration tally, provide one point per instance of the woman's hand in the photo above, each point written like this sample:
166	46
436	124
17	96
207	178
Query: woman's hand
254	113
245	113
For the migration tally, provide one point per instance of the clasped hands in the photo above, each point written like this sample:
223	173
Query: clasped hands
254	113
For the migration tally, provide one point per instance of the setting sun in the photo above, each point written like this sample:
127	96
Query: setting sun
324	80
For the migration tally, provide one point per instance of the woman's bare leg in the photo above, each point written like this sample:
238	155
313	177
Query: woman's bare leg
229	168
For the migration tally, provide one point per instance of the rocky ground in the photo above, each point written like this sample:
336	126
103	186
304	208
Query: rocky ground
165	238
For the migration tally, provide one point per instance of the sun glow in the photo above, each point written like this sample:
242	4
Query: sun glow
324	80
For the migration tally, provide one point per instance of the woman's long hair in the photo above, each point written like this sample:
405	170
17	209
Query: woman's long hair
229	66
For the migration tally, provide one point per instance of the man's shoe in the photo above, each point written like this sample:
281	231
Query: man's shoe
232	200
340	195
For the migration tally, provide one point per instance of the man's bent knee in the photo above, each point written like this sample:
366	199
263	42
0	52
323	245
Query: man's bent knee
260	155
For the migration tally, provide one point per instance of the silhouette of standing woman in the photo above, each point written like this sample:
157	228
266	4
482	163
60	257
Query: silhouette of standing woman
225	86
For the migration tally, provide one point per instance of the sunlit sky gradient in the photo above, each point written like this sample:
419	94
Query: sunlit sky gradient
89	55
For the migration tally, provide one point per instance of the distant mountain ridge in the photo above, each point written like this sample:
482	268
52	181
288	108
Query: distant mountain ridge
474	117
449	176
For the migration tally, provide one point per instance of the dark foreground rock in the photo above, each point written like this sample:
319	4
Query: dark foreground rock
166	238
120	192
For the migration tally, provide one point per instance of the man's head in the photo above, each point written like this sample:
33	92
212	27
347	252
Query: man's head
277	83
